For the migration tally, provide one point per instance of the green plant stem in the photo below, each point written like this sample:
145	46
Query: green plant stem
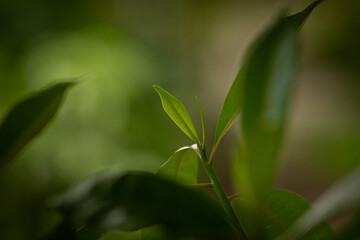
221	194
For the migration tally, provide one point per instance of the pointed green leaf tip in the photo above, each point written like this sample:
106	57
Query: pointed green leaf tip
233	103
178	113
28	118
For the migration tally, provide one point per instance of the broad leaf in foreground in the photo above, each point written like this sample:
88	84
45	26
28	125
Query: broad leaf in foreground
28	118
158	233
136	200
264	70
340	198
182	166
278	210
267	81
178	113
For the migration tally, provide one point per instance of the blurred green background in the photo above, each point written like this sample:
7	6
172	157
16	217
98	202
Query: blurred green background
114	120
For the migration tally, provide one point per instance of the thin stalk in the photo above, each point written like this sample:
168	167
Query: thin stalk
221	194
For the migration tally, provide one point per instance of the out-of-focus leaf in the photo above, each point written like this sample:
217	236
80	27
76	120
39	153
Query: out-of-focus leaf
136	200
298	19
343	196
268	72
28	118
278	210
182	166
158	233
89	233
153	233
62	231
267	77
178	113
120	235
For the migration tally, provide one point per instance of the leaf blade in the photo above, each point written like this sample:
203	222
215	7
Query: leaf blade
230	110
341	197
178	113
28	118
202	124
268	76
233	101
136	200
182	166
274	215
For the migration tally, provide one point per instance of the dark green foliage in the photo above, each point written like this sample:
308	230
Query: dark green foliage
135	200
28	118
275	214
168	205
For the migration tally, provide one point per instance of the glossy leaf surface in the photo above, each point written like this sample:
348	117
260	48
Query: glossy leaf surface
182	166
136	200
28	118
178	113
278	210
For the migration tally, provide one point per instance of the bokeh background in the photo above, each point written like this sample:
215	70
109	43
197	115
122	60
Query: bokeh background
114	120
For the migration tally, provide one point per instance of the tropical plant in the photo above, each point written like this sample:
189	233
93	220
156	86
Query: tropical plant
172	204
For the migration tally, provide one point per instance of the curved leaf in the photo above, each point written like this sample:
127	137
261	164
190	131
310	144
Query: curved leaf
136	200
260	67
120	235
230	110
343	196
202	124
158	233
271	218
178	113
28	118
298	19
267	76
182	166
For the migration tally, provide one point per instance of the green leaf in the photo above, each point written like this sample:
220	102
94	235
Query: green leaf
202	124
158	233
342	197
136	200
267	82
153	233
230	110
120	235
271	218
182	166
263	69
298	20
28	118
177	112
